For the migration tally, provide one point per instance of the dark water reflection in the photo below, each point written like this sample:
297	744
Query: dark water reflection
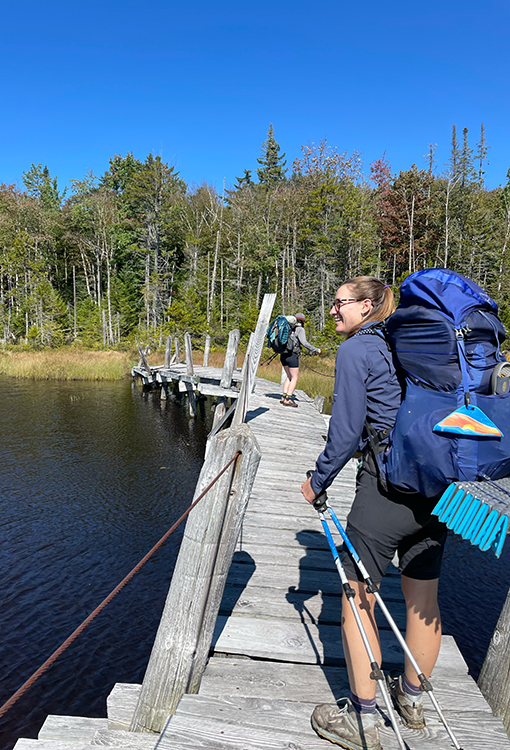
91	476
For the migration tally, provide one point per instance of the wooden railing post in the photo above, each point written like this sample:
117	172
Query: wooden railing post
494	679
259	336
207	349
230	358
184	637
168	351
189	354
143	358
177	351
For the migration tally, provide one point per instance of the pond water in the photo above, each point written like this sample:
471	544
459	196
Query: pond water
92	475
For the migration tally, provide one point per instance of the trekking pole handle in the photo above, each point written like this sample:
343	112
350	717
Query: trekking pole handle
321	501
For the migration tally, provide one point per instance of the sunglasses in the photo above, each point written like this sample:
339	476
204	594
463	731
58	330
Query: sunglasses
338	303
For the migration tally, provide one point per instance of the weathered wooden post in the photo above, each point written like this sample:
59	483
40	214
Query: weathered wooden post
192	399
244	395
168	351
318	402
145	364
189	354
207	349
247	356
219	412
177	351
494	680
185	633
260	333
230	358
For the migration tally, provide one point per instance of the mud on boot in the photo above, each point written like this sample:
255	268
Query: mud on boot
346	727
409	710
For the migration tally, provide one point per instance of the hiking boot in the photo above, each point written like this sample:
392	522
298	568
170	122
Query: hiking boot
409	710
346	727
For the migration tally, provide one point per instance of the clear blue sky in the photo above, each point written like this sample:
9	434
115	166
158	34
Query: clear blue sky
199	83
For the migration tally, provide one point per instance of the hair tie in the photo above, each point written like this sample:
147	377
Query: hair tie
386	286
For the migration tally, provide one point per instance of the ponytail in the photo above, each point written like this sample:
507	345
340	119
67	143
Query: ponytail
380	295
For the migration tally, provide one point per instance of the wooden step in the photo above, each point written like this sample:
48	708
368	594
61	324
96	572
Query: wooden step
473	730
28	744
70	728
313	684
125	739
121	704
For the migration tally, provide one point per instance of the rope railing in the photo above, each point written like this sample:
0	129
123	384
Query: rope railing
54	656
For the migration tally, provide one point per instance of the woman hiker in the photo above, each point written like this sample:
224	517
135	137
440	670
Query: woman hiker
380	523
290	359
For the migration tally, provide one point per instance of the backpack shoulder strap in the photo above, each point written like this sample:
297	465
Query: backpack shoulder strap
377	329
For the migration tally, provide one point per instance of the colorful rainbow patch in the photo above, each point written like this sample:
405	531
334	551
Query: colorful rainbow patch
468	421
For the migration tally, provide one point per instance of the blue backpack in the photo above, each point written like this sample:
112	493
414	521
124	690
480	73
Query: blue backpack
454	422
280	337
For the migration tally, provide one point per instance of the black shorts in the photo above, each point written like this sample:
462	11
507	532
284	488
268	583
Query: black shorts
289	360
381	523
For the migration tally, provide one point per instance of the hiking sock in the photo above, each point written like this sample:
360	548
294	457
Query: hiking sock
413	691
362	705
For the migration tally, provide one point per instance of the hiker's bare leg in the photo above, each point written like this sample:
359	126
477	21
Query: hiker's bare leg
292	379
286	384
358	664
423	633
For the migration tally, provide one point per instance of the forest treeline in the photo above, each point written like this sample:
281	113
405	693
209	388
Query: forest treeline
137	253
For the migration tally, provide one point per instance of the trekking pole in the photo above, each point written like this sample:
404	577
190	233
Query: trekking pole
425	684
320	505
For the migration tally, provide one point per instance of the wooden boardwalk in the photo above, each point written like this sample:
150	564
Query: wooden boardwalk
277	647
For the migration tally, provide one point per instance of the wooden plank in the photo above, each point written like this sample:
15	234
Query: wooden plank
274	680
314	580
70	728
314	684
264	603
271	713
112	738
207	389
473	730
288	641
28	744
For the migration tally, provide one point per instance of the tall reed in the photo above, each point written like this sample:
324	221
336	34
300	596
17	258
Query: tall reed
66	364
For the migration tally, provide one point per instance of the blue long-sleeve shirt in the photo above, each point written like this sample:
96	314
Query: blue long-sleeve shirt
366	387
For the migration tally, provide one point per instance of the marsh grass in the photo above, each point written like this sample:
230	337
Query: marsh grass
315	373
66	364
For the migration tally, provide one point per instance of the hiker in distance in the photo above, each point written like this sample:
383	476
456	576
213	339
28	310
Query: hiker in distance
380	523
290	358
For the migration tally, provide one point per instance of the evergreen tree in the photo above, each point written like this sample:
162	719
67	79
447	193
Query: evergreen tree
454	155
481	155
244	181
39	184
272	164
